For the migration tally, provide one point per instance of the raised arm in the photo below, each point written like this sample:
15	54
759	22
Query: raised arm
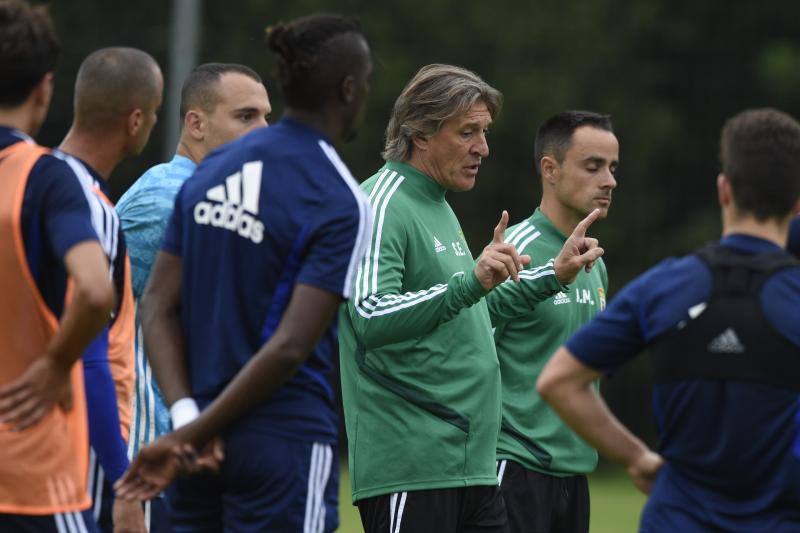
512	300
381	314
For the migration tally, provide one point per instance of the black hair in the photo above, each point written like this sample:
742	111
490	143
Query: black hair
200	87
760	156
311	58
29	49
554	136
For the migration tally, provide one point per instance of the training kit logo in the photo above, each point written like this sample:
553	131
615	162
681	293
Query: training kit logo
561	298
726	342
601	293
233	205
438	246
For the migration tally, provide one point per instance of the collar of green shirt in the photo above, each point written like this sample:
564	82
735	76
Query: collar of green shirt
422	181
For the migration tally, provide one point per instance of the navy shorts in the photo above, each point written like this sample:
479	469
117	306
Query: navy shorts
266	483
75	522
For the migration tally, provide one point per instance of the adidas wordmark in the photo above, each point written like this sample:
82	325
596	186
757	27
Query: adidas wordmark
232	206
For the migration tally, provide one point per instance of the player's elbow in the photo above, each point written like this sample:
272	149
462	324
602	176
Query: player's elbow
95	298
292	352
546	385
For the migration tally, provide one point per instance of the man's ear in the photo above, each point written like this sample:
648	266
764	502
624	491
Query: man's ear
194	122
420	143
135	121
347	89
44	90
549	168
724	192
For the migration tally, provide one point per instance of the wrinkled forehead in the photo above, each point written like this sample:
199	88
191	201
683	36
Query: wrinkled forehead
476	115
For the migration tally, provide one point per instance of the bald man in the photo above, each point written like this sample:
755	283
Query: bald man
117	94
219	102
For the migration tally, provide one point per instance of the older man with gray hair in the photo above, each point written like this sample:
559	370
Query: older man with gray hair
420	376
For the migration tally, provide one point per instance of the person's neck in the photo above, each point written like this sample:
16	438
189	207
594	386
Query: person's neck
18	118
773	230
563	219
326	122
190	151
101	152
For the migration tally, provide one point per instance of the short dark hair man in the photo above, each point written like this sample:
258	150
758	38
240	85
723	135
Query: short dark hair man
219	103
542	463
118	92
261	249
46	239
721	326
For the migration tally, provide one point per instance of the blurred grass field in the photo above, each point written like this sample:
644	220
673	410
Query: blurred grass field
616	504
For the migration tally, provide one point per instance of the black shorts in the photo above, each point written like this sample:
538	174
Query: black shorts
458	510
74	522
538	503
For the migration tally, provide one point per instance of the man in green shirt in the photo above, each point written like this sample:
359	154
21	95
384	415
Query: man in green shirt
542	463
420	376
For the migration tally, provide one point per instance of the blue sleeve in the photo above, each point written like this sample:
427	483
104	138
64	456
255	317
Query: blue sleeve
105	435
780	300
614	336
65	210
650	305
793	245
173	235
143	216
328	262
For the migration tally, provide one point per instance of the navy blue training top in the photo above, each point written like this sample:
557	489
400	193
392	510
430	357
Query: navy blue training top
655	303
272	209
794	237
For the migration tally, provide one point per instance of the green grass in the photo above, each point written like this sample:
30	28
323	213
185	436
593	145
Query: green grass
616	504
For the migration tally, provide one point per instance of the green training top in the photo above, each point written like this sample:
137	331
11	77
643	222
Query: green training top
420	376
526	336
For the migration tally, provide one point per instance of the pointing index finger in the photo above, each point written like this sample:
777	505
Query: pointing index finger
500	229
583	225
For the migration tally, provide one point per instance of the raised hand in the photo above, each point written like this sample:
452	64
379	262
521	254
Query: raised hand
579	251
27	399
499	260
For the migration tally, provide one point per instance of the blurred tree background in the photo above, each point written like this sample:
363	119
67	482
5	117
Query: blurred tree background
668	72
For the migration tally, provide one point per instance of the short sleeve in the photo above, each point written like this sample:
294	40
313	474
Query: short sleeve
614	336
65	211
650	305
173	236
334	250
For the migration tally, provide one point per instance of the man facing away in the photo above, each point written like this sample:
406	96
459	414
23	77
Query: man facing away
219	103
118	91
261	249
721	327
420	377
542	463
47	238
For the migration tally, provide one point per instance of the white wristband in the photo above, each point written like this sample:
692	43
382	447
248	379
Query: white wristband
183	411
